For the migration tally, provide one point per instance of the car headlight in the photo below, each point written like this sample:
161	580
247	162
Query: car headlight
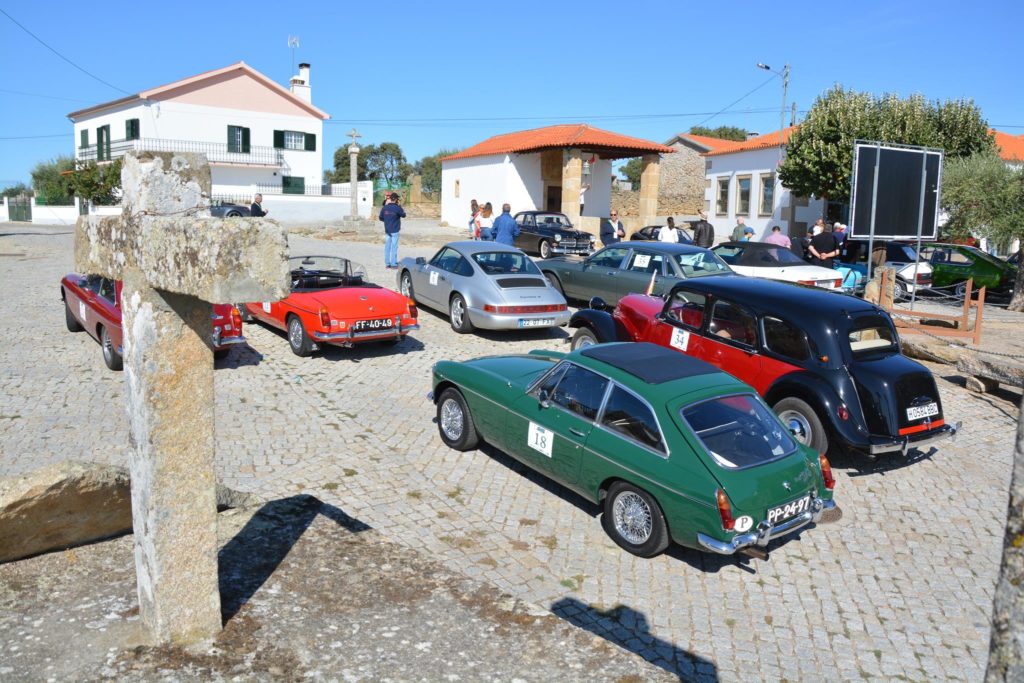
558	237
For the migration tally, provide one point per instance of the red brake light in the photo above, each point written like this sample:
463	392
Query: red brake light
923	278
551	308
806	282
325	317
236	319
725	510
843	412
837	283
413	313
826	472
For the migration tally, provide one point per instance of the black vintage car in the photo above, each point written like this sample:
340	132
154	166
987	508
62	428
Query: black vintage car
650	234
830	365
547	233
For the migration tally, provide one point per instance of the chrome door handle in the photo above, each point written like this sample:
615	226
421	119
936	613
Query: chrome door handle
577	432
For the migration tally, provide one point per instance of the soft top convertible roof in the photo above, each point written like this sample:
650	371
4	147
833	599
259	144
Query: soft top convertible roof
649	362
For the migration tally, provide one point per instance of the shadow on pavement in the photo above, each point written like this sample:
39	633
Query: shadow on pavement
857	464
251	557
371	349
628	628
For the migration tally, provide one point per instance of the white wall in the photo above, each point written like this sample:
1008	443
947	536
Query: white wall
55	215
191	122
3	210
752	163
479	178
599	196
296	208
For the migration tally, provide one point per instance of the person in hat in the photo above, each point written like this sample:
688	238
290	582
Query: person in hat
748	234
392	214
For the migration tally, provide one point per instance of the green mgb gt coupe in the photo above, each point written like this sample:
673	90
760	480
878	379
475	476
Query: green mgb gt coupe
673	448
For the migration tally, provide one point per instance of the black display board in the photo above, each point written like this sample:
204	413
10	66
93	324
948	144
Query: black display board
898	202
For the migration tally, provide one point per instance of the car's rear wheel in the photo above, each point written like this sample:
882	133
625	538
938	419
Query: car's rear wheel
70	320
961	290
234	214
454	421
298	340
111	357
803	423
544	248
899	291
556	283
406	286
633	519
459	315
583	338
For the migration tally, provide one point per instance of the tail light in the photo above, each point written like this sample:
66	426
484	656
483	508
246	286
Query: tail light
325	317
236	319
837	283
843	412
413	313
826	472
725	510
807	282
551	308
923	278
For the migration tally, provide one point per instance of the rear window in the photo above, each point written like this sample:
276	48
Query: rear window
873	335
505	263
738	431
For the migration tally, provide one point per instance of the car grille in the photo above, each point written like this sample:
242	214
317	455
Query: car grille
510	282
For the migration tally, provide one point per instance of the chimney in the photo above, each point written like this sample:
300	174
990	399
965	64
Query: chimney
752	134
300	84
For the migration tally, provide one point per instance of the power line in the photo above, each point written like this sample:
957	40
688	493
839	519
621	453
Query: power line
43	43
45	97
737	101
33	137
600	117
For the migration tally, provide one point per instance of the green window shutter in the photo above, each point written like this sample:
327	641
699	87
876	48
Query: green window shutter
293	185
245	140
279	139
84	137
310	142
232	139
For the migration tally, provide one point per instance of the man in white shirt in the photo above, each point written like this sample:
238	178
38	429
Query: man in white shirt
669	233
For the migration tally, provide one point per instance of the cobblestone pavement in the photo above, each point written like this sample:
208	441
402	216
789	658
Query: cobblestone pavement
901	586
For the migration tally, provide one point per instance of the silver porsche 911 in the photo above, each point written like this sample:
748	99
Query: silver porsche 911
483	284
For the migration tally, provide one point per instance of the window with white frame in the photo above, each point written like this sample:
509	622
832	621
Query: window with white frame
293	140
722	197
766	201
743	195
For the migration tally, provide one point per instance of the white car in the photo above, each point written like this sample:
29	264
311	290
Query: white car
762	259
898	255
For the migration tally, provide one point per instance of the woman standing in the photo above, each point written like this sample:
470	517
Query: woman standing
486	222
474	220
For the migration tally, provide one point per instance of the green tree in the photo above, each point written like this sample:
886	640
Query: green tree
16	190
340	174
819	155
97	183
429	170
631	171
985	197
49	184
386	161
722	132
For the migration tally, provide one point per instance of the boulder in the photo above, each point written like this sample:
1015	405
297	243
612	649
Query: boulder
986	373
72	503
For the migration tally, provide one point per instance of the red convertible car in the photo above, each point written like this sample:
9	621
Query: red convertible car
93	303
331	303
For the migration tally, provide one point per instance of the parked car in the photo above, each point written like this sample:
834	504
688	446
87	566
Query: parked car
674	450
954	264
761	259
650	234
627	267
830	366
548	233
483	284
229	210
332	303
900	256
93	303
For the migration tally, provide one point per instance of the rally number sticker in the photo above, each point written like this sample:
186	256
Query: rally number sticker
642	260
680	339
266	307
81	309
540	439
433	277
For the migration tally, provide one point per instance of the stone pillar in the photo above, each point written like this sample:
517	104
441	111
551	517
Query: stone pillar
169	373
572	181
353	176
415	189
650	178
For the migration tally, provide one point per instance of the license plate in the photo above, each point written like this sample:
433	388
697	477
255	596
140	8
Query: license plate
789	510
536	322
927	410
378	324
827	284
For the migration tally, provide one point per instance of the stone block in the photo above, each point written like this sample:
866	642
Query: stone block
988	372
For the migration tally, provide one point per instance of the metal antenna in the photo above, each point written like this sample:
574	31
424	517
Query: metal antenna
293	42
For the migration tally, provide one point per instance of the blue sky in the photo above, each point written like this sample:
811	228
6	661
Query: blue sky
649	69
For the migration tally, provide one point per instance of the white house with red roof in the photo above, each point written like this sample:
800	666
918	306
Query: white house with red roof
544	169
258	135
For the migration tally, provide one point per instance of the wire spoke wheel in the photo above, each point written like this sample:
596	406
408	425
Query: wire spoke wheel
632	517
452	419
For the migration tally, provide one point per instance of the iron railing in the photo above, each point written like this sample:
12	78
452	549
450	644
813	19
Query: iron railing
320	190
216	152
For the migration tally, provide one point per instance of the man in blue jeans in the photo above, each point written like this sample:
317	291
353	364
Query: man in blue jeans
392	214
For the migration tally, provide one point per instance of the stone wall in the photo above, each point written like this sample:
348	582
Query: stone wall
627	202
682	181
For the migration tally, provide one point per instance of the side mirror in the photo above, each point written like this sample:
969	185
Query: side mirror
598	304
545	398
420	261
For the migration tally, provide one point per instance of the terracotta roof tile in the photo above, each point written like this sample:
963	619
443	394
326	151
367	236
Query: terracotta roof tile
568	135
1011	147
760	142
711	144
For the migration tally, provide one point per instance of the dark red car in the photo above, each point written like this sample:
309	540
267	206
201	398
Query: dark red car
93	303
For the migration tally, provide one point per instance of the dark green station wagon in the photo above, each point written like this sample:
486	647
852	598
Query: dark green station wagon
673	448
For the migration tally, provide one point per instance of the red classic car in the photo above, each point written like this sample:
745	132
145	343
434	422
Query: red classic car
331	303
93	303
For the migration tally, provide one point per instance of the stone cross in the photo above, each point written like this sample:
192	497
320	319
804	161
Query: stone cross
175	262
353	173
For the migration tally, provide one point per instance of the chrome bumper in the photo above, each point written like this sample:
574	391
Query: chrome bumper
583	251
510	321
765	532
350	336
907	442
220	342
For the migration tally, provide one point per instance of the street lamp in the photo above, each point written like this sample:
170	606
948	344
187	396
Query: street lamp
784	75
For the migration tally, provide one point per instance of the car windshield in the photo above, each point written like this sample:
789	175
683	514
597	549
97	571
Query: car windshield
700	263
324	272
505	263
767	256
739	431
552	220
871	335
